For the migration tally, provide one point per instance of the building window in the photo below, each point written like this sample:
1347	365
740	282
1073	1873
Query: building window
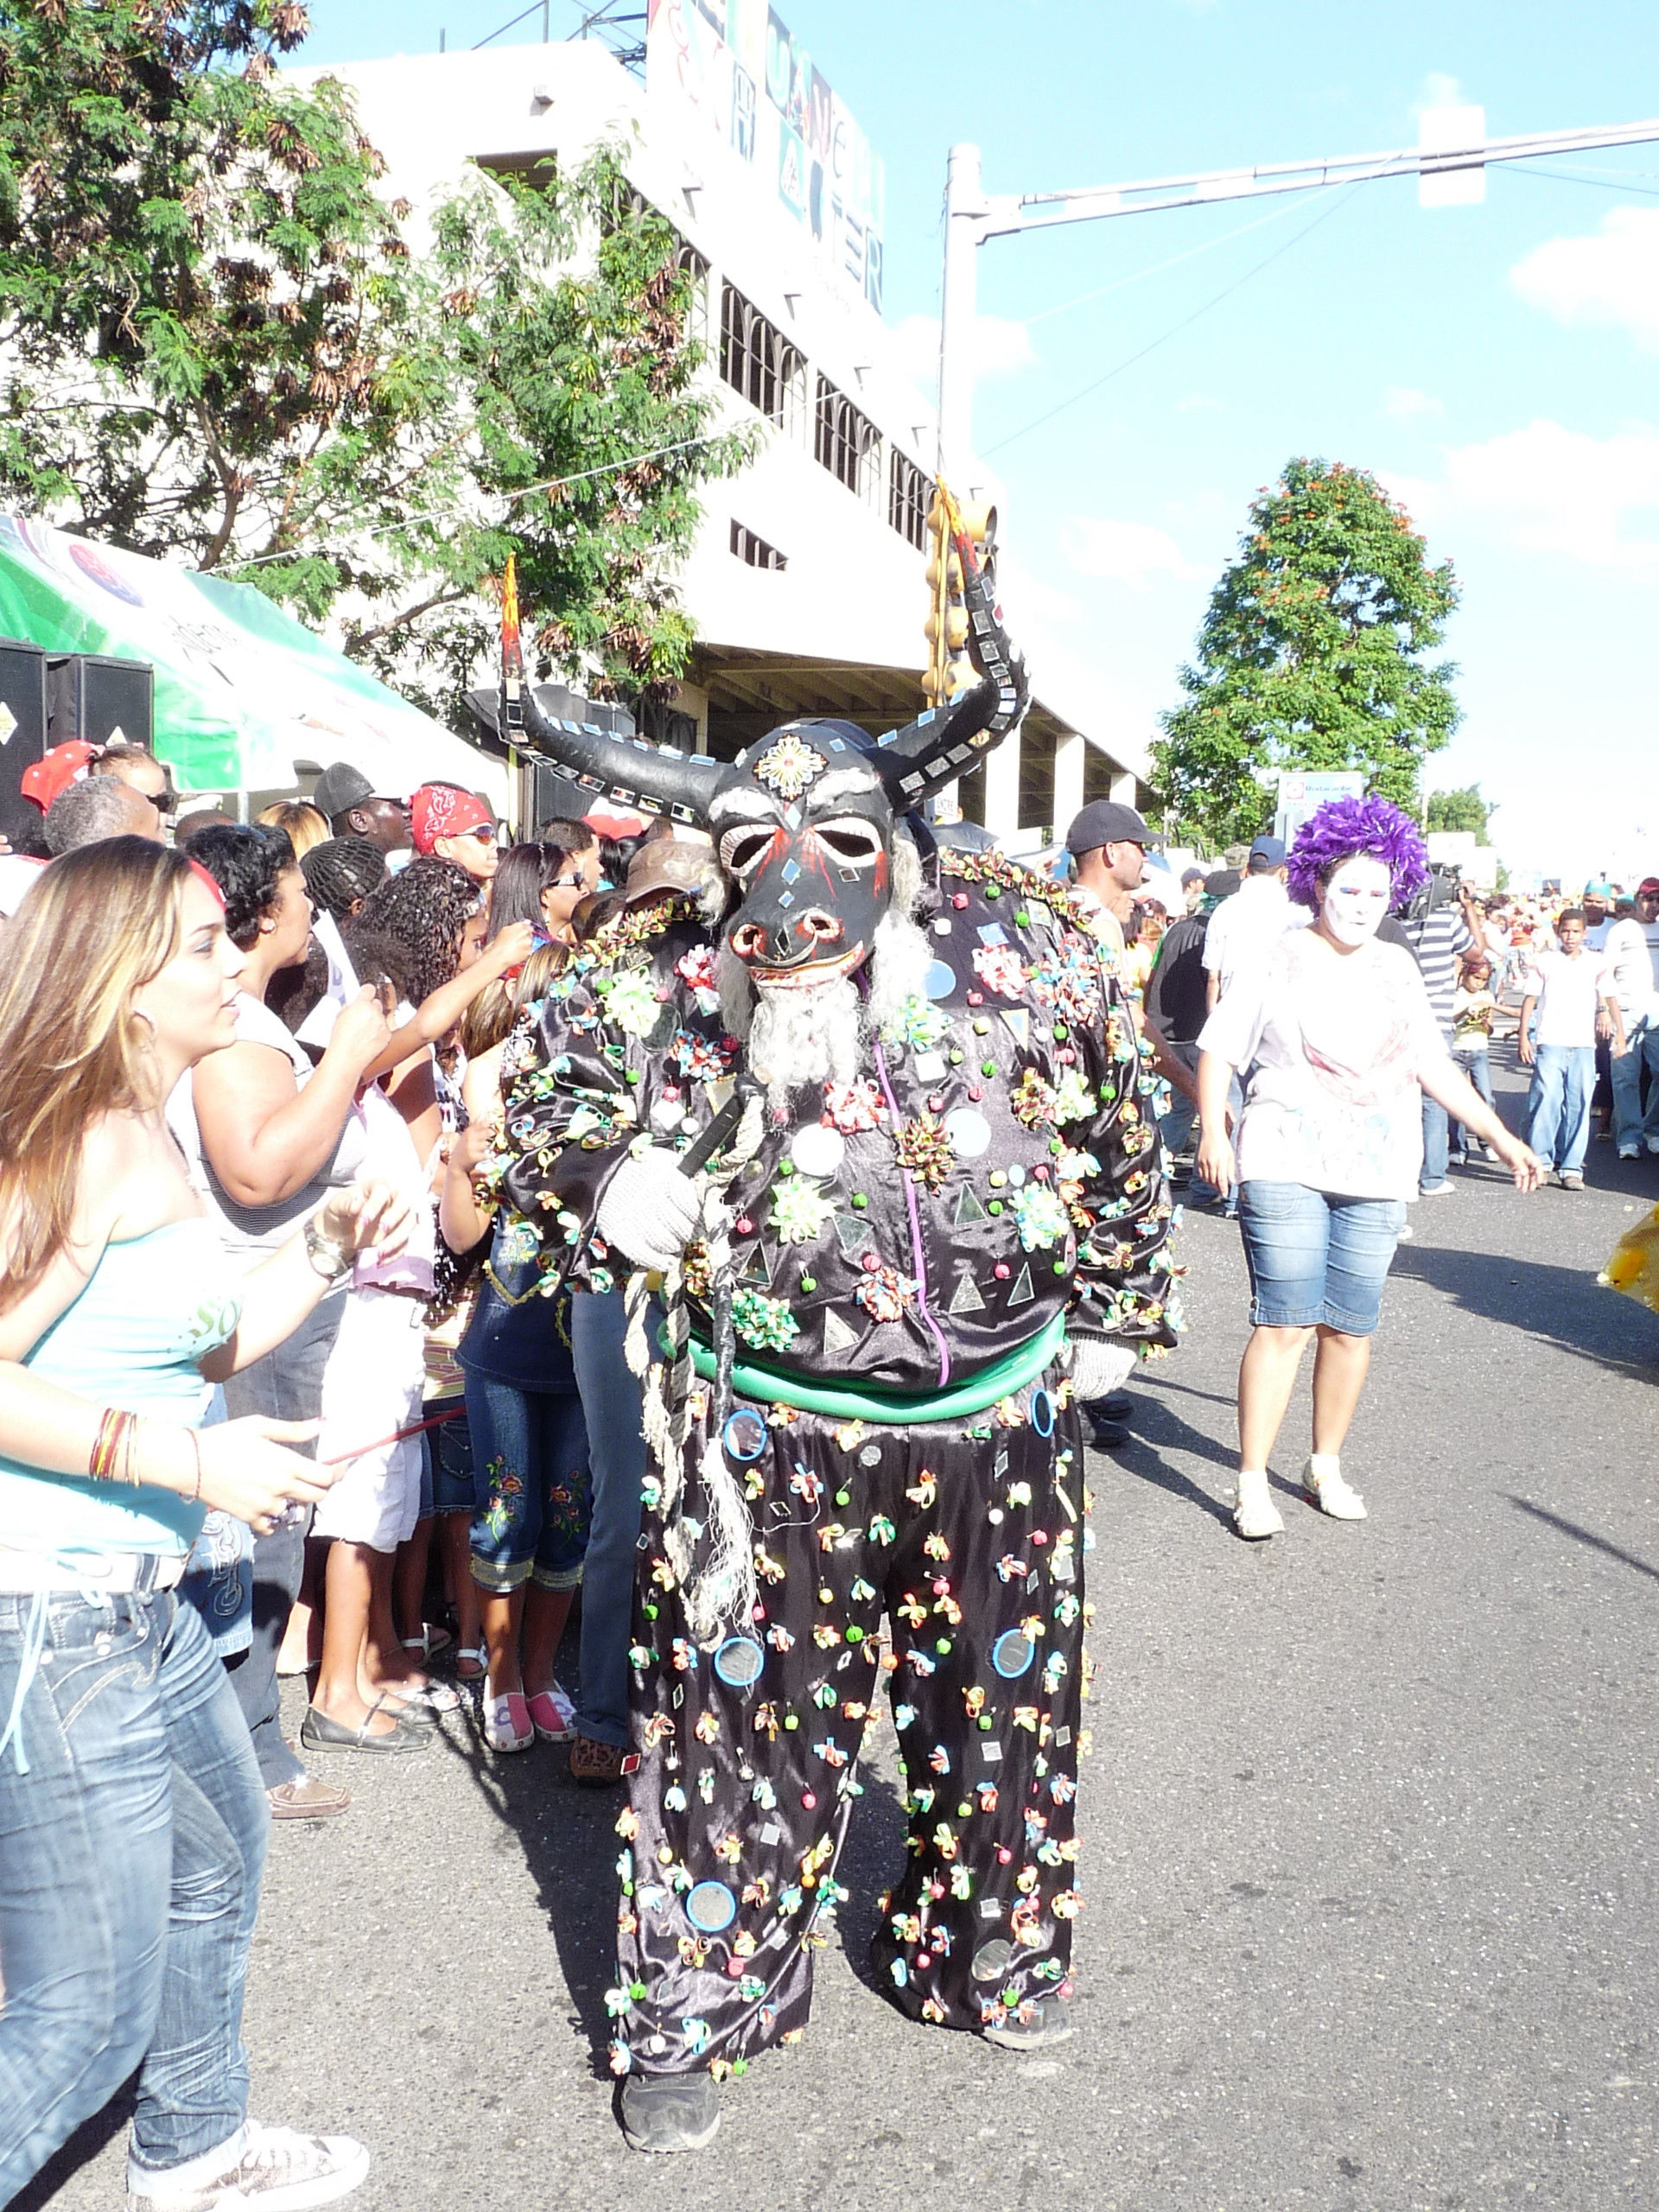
846	442
758	360
756	551
910	494
630	201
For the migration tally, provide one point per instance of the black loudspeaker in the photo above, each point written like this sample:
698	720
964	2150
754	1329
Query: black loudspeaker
23	737
104	700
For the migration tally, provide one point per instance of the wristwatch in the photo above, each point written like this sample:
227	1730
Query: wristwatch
327	1254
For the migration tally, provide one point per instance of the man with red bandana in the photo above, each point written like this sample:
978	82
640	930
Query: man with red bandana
455	825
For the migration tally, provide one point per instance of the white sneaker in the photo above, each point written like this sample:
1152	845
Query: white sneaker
1653	1144
1255	1514
1324	1487
1629	1152
272	2169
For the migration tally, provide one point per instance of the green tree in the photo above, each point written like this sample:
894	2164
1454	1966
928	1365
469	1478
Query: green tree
217	340
1460	810
1313	655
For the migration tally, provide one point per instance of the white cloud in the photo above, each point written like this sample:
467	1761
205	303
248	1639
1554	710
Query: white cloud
1553	490
1403	402
1611	277
1124	552
1001	346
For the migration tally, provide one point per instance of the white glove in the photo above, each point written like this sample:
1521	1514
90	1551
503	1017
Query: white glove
1098	1368
650	1210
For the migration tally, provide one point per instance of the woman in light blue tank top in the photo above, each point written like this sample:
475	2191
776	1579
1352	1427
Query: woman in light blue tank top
118	1312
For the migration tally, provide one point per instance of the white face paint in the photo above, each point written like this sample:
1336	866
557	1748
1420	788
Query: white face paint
1356	899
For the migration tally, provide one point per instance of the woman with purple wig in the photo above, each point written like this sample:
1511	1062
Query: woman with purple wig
1338	1032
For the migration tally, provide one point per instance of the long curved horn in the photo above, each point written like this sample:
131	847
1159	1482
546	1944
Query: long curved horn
952	739
626	769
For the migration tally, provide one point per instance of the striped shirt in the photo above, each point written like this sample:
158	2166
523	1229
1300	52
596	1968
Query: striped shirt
1437	940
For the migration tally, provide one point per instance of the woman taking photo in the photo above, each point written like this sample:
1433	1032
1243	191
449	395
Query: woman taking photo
1340	1041
127	1779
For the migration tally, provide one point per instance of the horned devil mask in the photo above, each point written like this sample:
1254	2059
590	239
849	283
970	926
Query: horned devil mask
803	821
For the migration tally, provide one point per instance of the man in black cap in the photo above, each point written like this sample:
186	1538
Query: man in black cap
1193	888
354	809
1108	844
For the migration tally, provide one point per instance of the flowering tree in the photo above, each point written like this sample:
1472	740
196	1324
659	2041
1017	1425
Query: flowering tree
1313	654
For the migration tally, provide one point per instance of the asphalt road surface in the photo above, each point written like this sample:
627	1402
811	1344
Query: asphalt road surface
1369	1836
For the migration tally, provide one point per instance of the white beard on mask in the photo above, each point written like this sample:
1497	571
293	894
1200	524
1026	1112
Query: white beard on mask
798	1037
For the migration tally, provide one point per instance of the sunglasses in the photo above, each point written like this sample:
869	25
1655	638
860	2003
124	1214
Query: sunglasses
484	831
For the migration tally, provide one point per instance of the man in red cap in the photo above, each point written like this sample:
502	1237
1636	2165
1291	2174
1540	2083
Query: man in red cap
56	771
456	825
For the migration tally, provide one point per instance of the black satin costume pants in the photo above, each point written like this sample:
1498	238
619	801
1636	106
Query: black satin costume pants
969	1537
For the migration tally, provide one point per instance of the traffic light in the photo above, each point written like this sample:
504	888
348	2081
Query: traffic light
957	536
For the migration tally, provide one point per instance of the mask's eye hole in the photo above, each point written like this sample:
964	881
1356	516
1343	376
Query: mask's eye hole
740	848
853	845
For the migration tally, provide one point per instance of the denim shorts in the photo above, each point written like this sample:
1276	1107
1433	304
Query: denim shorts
1317	1258
449	1483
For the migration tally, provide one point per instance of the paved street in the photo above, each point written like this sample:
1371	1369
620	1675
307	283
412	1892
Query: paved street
1371	1831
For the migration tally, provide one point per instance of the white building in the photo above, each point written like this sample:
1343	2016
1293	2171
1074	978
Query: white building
806	581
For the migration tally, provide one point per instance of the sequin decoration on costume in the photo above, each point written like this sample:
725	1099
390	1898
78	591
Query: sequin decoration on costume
766	1322
924	1147
697	969
1041	1214
789	766
799	1210
854	1106
1000	969
884	1293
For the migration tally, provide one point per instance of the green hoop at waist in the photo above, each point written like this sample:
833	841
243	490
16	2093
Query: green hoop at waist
896	1408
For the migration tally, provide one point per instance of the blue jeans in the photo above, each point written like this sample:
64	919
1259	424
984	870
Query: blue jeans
1316	1258
1629	1126
610	1394
1558	1106
1478	1067
286	1385
530	1449
1437	1144
132	1835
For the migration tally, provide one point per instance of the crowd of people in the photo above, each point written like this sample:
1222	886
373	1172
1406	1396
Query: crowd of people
323	1349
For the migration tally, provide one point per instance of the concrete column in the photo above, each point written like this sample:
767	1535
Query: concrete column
1002	788
1122	787
1069	751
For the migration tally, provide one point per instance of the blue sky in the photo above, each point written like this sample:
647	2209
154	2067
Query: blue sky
1495	364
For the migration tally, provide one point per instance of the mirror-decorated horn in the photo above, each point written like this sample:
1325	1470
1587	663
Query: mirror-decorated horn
625	770
953	740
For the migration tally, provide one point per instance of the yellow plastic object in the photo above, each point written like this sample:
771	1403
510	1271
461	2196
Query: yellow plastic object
1634	1267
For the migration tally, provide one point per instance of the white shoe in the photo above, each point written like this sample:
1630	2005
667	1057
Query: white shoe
1629	1152
1255	1514
507	1723
553	1716
1324	1486
1653	1144
272	2169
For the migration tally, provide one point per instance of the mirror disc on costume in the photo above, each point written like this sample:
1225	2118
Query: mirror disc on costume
739	1662
1042	1412
1011	1653
711	1907
968	1131
870	1456
940	979
818	1150
744	1435
992	1959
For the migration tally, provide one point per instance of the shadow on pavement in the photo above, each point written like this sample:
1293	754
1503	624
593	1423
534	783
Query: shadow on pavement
1581	1535
1158	1429
1563	1305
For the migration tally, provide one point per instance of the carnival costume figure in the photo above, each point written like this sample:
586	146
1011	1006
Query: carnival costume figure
935	1223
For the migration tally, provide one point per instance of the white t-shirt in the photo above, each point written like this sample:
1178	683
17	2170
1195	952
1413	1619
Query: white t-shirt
1244	929
256	1230
1340	1041
1569	994
1631	954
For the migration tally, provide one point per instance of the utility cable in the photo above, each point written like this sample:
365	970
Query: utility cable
1185	323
